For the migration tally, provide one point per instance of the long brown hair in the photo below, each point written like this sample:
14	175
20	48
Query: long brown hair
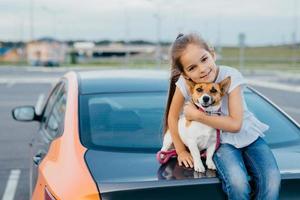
177	48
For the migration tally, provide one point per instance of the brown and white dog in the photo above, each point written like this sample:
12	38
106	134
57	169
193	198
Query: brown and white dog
195	135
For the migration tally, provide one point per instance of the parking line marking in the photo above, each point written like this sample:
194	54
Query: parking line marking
11	185
10	84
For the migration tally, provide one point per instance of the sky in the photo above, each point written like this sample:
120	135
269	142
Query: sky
264	22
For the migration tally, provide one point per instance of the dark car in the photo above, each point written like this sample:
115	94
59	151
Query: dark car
100	132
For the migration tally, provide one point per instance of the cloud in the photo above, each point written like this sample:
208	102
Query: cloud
140	19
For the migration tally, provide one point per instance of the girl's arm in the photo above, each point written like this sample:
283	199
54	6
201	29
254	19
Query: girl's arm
231	123
175	108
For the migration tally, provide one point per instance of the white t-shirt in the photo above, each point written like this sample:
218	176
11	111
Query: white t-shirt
251	128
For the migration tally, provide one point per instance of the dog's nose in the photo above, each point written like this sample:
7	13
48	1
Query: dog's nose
205	99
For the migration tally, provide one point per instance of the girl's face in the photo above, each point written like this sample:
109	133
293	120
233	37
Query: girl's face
198	64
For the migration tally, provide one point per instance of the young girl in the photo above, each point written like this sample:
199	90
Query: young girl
242	151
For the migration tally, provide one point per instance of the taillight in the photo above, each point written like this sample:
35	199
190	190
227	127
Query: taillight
48	195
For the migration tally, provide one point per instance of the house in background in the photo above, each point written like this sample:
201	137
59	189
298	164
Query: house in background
11	55
46	52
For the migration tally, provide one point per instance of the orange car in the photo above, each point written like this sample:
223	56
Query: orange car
61	167
100	131
57	151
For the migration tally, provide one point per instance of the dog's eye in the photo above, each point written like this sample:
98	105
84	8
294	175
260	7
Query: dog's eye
199	90
213	90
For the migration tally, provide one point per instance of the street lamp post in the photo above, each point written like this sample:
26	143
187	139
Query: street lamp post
126	37
158	46
294	35
31	20
157	16
54	19
242	38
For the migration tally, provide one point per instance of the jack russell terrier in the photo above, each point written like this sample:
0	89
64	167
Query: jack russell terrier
195	135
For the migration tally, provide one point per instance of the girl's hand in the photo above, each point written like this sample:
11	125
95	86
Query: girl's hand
185	158
191	112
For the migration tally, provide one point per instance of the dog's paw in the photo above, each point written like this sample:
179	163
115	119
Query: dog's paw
210	164
199	175
198	167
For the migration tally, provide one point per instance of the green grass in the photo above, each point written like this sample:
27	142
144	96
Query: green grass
265	58
269	57
283	52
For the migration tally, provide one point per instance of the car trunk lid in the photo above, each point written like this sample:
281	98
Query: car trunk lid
122	175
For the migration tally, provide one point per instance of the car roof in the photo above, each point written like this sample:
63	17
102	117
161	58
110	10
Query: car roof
122	80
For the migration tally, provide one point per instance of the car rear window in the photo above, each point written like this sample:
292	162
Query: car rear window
281	130
122	120
134	121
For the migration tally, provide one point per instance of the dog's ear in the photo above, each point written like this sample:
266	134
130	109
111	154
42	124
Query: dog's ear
190	85
224	85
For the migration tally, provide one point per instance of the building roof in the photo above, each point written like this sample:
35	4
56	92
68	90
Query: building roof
4	50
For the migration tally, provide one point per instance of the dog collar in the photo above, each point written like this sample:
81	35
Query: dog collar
218	112
211	112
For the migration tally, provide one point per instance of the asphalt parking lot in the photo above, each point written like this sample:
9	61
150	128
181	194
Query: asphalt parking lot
24	86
